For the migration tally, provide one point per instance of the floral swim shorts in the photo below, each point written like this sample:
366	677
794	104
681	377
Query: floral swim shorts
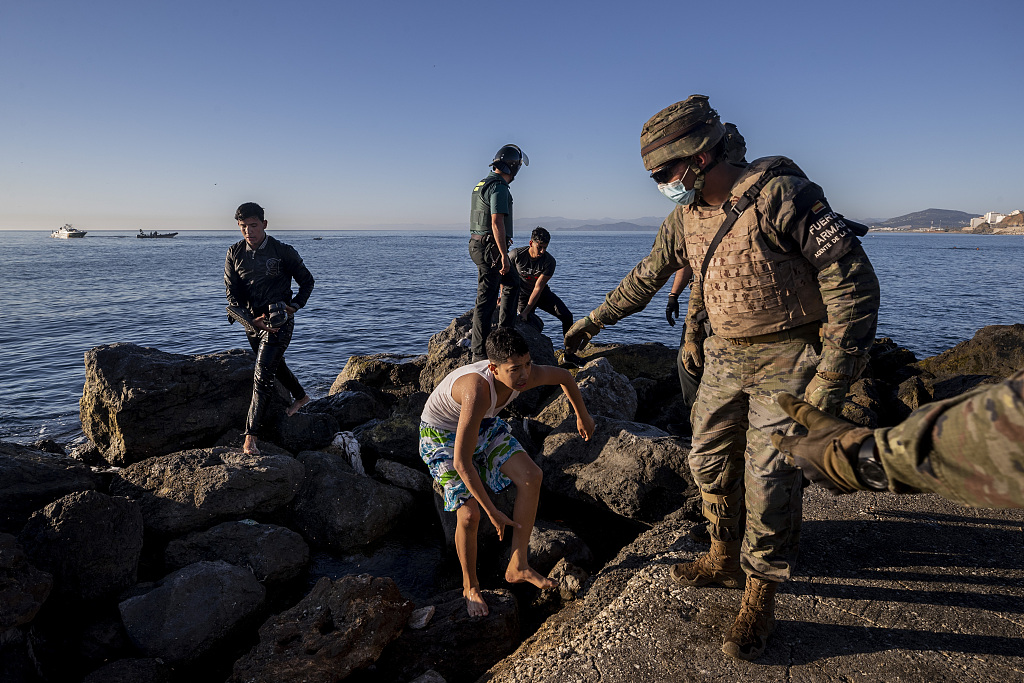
494	446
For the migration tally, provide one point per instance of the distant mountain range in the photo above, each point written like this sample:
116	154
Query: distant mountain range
929	218
937	218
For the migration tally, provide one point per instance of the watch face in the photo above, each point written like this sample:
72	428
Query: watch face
873	475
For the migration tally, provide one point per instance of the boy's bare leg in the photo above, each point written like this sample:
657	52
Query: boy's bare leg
468	517
527	477
294	407
249	447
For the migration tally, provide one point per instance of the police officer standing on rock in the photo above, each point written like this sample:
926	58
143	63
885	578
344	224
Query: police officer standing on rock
792	302
490	234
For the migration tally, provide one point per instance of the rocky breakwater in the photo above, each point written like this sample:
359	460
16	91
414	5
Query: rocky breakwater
177	557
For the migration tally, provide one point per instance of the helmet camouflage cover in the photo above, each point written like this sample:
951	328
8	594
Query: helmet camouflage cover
680	130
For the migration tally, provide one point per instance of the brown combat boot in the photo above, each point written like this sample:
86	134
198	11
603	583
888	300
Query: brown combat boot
755	622
719	565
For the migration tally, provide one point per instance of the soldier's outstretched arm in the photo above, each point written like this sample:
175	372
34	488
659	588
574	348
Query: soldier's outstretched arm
638	287
968	449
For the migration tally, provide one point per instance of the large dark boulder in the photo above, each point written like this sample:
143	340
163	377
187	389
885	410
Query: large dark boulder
141	402
996	351
190	611
339	509
634	470
349	408
392	373
271	552
339	627
193	489
31	480
397	436
300	432
23	587
455	645
89	541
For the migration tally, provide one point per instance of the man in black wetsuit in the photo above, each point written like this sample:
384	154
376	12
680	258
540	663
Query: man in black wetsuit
258	273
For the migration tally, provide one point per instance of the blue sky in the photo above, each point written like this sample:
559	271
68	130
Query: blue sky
125	115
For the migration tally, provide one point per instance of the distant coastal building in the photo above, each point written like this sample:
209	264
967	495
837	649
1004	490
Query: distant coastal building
993	217
996	222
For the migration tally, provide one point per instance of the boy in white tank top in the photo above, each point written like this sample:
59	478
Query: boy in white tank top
469	449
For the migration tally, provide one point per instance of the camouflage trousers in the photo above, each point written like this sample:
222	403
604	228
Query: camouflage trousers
732	458
969	448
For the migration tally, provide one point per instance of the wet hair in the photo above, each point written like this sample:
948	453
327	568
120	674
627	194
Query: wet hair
504	343
539	234
249	210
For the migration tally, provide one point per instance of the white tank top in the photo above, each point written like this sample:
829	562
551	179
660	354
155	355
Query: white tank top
443	411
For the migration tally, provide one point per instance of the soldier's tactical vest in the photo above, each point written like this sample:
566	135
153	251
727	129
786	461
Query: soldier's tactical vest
480	207
750	288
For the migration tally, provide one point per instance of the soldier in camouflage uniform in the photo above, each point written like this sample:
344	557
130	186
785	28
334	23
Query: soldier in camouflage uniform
792	301
968	449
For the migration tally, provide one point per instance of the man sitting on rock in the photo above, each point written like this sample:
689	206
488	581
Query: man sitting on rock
468	448
258	272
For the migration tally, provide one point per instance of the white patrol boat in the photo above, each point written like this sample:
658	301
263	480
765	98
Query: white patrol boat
67	232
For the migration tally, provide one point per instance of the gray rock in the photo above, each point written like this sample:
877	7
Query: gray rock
23	588
300	432
339	627
632	469
271	552
421	617
31	480
429	676
404	477
339	509
349	408
457	646
193	489
571	580
393	373
605	392
192	610
90	542
131	671
141	402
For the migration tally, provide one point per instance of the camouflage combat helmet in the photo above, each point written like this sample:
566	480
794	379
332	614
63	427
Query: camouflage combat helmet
680	130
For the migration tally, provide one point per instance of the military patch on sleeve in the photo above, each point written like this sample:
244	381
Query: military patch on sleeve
818	207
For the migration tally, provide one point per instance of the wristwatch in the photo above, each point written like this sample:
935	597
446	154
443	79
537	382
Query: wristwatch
869	468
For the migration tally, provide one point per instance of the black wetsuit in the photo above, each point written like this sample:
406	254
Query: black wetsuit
254	279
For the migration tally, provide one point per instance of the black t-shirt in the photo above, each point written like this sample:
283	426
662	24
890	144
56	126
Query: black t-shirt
531	268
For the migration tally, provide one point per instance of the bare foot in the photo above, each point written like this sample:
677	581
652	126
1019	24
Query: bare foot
249	448
294	408
475	604
529	575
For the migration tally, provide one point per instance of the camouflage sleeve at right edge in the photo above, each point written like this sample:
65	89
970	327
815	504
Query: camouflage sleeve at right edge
969	448
641	284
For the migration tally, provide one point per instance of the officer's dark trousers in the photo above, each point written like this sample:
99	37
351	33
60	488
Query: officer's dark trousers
489	282
270	365
688	383
550	303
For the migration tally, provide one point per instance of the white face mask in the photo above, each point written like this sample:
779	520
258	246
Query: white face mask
677	192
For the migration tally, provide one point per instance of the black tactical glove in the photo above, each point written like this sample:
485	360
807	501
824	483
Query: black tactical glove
828	454
672	309
580	334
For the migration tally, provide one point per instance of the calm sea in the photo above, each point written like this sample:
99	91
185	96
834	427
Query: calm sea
388	292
